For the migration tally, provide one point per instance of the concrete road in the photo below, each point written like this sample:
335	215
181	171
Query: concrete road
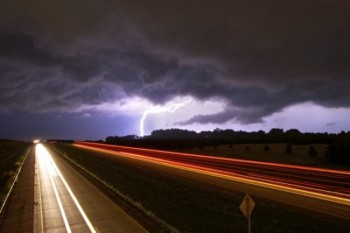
66	202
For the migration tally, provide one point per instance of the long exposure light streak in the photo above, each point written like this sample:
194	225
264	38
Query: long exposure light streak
159	109
45	163
53	171
311	187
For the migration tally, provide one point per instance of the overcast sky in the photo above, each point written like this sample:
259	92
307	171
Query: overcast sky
88	69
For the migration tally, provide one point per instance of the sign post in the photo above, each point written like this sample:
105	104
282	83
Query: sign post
246	208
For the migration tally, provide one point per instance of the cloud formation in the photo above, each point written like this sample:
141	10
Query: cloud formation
258	57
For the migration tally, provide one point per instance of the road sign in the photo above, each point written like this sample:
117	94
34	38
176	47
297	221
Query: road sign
247	205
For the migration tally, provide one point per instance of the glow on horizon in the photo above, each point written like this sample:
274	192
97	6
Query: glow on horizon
307	116
159	109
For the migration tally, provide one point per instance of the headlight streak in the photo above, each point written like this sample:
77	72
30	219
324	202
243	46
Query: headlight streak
52	169
43	156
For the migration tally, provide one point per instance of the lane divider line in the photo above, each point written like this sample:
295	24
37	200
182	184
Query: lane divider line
63	213
38	178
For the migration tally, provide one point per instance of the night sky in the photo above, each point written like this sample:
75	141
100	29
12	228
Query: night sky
88	69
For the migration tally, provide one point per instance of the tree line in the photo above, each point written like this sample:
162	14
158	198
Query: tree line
180	139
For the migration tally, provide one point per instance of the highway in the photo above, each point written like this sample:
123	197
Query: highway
66	202
322	190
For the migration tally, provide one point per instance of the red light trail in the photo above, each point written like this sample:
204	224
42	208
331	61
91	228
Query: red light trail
325	184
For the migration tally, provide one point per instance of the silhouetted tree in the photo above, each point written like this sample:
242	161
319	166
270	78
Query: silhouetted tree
173	134
276	131
292	131
266	148
174	139
289	149
261	132
275	135
338	153
312	151
293	136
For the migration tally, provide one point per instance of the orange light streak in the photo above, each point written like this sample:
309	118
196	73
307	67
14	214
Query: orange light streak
332	171
277	184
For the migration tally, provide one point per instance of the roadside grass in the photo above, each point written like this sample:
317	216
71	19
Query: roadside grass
192	206
12	154
276	154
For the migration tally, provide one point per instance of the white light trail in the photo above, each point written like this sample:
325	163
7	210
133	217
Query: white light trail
53	170
44	159
159	109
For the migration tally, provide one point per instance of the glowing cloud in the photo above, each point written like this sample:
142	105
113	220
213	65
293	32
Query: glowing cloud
170	107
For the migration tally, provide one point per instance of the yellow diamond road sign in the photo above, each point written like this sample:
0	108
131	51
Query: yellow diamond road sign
247	205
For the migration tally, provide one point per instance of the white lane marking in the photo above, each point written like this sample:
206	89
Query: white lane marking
56	171
40	193
60	205
43	154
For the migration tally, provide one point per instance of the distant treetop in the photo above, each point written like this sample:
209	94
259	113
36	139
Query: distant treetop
275	135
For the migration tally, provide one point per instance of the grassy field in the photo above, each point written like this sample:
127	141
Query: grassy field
12	154
276	154
192	206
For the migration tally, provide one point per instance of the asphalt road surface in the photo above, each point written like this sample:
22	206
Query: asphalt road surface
66	202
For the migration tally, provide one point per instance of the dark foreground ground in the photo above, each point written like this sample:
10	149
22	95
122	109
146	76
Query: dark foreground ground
18	215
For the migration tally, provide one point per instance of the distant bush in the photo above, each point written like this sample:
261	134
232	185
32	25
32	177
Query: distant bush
312	151
338	153
289	149
267	148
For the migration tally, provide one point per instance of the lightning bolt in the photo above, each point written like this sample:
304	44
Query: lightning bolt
159	109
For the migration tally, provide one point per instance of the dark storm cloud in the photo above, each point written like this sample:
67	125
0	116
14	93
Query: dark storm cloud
245	116
22	47
254	38
36	79
257	56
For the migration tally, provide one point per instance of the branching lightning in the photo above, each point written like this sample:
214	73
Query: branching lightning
159	109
